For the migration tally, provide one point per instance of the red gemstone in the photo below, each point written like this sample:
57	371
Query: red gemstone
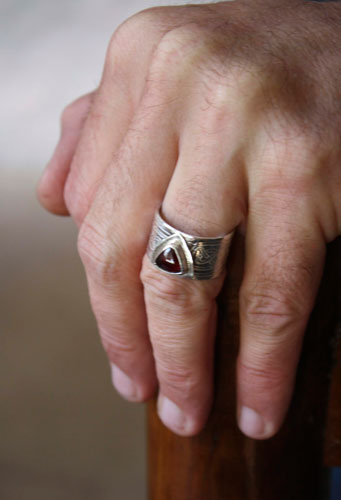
168	261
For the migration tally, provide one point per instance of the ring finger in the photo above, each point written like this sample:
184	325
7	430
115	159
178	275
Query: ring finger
205	197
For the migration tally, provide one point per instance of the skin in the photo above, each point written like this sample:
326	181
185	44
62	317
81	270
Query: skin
230	115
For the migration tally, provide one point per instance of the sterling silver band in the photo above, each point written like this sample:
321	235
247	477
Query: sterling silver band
184	255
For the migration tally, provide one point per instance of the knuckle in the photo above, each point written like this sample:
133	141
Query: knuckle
162	288
97	255
281	142
140	21
123	31
217	97
129	31
266	375
150	16
268	308
174	50
180	381
171	292
117	54
116	345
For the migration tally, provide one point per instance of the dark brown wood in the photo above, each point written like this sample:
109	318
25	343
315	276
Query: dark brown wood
333	431
221	463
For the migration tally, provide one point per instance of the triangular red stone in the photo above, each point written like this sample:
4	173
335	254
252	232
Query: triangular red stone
168	261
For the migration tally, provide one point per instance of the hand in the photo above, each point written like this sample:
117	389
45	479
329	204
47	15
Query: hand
230	115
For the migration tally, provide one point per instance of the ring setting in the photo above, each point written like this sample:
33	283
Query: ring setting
180	254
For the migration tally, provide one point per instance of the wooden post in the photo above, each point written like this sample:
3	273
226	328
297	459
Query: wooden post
221	463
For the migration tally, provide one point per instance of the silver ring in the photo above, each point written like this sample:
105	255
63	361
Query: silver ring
185	255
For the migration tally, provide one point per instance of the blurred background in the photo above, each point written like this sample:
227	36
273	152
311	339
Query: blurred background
64	432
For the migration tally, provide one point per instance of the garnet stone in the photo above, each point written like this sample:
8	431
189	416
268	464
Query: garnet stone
168	261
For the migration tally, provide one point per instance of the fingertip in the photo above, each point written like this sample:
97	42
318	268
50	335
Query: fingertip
50	194
263	400
254	425
129	389
177	420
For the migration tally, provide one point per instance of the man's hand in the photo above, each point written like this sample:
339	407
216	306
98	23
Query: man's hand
230	115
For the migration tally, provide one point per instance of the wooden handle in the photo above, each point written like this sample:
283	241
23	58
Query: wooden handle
221	463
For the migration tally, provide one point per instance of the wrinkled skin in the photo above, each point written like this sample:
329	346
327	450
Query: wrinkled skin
230	115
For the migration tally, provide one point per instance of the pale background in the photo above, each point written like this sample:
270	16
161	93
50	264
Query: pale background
64	432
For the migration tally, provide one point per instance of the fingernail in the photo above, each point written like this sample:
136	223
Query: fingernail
124	384
172	416
253	424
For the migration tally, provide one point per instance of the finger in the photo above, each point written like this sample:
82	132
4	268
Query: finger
114	233
112	242
284	261
205	197
116	102
50	189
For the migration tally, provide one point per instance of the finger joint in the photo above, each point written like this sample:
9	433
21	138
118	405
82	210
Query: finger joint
269	309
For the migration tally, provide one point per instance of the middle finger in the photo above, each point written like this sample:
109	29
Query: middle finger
205	198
